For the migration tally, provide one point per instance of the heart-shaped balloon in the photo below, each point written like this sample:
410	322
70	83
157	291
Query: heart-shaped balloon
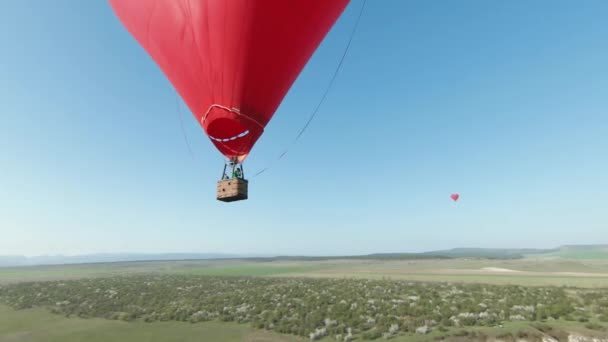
454	197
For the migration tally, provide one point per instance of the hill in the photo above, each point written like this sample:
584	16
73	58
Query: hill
490	253
19	260
576	252
579	252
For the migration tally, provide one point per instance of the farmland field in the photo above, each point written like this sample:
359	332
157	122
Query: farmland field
221	267
529	271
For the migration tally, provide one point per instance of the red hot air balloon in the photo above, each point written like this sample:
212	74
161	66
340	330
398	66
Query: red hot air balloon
231	61
454	197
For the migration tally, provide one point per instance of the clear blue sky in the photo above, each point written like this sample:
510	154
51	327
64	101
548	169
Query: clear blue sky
505	102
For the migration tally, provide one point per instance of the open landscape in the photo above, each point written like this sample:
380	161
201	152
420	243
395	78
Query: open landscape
401	297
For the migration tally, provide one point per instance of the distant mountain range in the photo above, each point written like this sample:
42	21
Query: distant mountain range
18	260
567	252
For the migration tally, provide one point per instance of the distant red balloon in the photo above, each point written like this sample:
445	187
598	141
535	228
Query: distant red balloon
455	197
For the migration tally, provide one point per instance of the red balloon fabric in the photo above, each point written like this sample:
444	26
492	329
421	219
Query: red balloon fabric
232	61
455	197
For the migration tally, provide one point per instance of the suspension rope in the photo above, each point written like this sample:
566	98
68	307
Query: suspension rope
181	125
329	86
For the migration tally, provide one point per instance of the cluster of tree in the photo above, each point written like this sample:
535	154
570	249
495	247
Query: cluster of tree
315	308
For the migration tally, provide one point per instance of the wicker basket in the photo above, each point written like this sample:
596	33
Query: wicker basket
230	190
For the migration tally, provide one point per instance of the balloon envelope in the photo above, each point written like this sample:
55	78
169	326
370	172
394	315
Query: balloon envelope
232	61
455	197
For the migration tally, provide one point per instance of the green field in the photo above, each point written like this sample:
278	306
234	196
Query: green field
530	271
38	325
223	267
530	280
597	254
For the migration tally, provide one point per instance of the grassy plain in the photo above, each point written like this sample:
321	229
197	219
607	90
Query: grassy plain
38	325
202	267
530	271
595	252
